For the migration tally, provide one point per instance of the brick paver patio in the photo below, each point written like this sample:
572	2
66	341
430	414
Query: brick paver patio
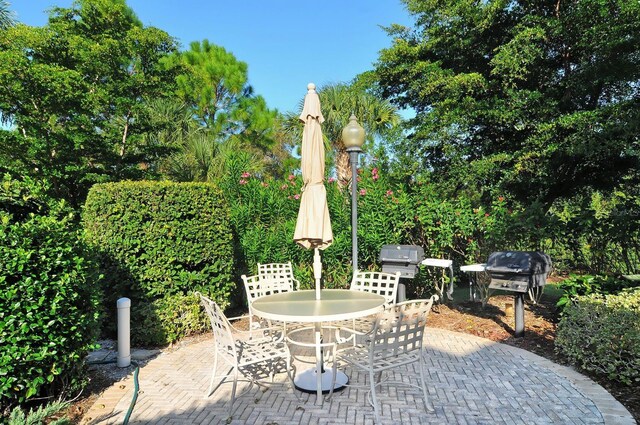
471	381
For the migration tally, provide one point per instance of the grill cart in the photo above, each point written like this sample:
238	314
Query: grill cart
519	272
403	259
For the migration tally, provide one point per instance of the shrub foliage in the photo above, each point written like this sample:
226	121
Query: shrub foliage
48	298
601	334
157	242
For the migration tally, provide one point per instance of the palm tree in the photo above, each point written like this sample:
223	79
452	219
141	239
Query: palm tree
7	17
338	102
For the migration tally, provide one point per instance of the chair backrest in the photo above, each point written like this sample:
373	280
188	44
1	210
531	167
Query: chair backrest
277	277
400	329
252	288
381	283
222	335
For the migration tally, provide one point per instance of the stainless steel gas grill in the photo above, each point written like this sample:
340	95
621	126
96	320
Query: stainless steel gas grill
520	272
403	259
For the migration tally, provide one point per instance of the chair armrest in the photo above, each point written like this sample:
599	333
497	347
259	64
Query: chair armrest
297	283
354	334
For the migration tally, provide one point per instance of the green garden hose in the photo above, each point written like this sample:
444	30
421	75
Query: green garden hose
136	387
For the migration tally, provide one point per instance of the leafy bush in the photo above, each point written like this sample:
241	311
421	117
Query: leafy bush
158	242
264	213
576	285
170	318
42	415
601	334
48	298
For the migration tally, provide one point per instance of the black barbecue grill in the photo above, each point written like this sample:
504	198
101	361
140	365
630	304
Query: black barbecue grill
401	258
520	272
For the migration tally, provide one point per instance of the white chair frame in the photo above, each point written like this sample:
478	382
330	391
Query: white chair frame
251	358
381	283
395	340
278	276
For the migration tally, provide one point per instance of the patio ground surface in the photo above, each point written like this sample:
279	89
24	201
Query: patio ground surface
471	380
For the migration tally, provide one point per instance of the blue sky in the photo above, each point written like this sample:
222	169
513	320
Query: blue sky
286	44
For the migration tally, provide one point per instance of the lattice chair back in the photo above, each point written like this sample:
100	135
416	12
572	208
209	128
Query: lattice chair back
400	330
385	284
253	289
277	277
223	338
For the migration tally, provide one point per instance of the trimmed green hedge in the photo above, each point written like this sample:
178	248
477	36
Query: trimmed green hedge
48	297
157	242
601	334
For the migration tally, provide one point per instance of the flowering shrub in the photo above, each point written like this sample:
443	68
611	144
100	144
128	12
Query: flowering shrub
264	214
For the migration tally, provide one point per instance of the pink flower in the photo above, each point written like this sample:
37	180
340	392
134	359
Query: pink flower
486	214
331	179
284	186
296	196
246	175
374	171
243	181
375	177
363	192
389	193
291	177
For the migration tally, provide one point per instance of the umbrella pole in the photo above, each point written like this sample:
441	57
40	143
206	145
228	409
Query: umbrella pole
317	271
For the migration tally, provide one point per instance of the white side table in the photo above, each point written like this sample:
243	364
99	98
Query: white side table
478	291
445	264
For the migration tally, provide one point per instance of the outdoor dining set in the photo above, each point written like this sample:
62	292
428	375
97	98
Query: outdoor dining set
368	327
362	328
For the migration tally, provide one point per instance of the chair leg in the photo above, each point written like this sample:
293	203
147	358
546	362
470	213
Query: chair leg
334	371
374	399
213	374
423	384
233	390
290	376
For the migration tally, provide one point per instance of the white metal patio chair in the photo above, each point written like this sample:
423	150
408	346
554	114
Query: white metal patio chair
257	286
395	340
253	291
278	276
255	359
381	283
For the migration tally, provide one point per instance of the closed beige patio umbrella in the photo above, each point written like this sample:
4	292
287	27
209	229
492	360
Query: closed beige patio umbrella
313	228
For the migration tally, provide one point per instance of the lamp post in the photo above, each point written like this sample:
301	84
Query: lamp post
353	138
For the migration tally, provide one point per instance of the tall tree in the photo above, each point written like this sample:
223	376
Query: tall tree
7	18
215	84
541	98
76	91
338	101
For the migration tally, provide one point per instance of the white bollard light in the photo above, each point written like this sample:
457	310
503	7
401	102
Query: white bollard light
124	326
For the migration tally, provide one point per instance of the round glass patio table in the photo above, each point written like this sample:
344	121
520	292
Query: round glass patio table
302	306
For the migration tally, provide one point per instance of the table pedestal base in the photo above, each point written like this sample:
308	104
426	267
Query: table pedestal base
307	381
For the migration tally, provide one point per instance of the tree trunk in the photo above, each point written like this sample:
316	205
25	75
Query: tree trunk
124	134
343	168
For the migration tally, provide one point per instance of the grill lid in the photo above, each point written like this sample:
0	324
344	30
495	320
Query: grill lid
403	254
519	262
